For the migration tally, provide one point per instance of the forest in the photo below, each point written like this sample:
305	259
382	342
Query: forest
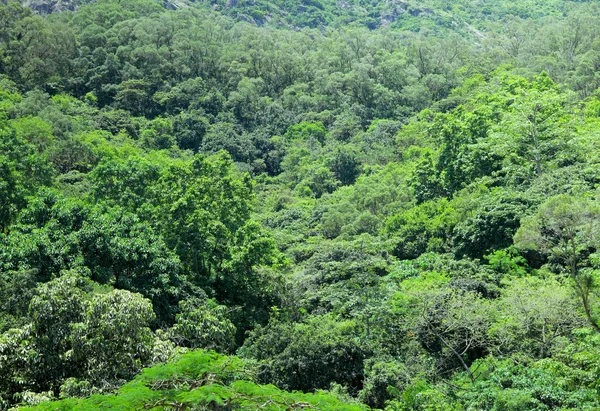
300	204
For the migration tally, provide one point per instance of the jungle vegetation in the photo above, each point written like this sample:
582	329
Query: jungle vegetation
300	204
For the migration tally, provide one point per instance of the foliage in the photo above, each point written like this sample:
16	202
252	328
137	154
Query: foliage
201	379
203	324
310	355
395	201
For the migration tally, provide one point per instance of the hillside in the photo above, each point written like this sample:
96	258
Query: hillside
466	16
388	205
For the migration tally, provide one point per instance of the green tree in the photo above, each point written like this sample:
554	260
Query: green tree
72	154
203	324
204	380
565	228
113	341
22	171
135	97
310	355
76	336
534	317
460	162
534	129
491	225
344	163
35	130
35	355
55	234
125	252
426	227
190	128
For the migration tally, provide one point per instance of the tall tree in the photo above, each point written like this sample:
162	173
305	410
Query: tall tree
567	229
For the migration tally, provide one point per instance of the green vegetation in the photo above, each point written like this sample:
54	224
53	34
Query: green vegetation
201	380
333	205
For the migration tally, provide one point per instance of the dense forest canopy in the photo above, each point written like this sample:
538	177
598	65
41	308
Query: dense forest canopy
300	204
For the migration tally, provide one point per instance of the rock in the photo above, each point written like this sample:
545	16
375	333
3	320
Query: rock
393	9
176	4
50	6
45	7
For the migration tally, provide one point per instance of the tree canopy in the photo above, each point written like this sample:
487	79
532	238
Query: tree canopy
313	204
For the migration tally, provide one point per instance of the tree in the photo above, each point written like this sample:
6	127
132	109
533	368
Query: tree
382	377
534	316
158	134
202	380
22	171
126	182
226	136
113	340
344	163
125	252
426	227
461	159
201	208
116	247
72	333
491	225
425	180
202	323
190	128
33	356
567	229
449	322
135	97
309	355
35	130
558	383
535	128
72	154
17	288
454	326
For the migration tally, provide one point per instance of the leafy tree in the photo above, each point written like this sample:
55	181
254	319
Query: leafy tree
158	134
461	160
72	154
425	181
56	234
182	95
535	316
190	129
226	136
113	340
35	130
381	377
309	355
453	325
202	379
423	228
124	181
22	170
566	229
309	132
102	340
345	165
122	251
203	324
545	384
491	225
535	128
17	288
58	305
135	97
